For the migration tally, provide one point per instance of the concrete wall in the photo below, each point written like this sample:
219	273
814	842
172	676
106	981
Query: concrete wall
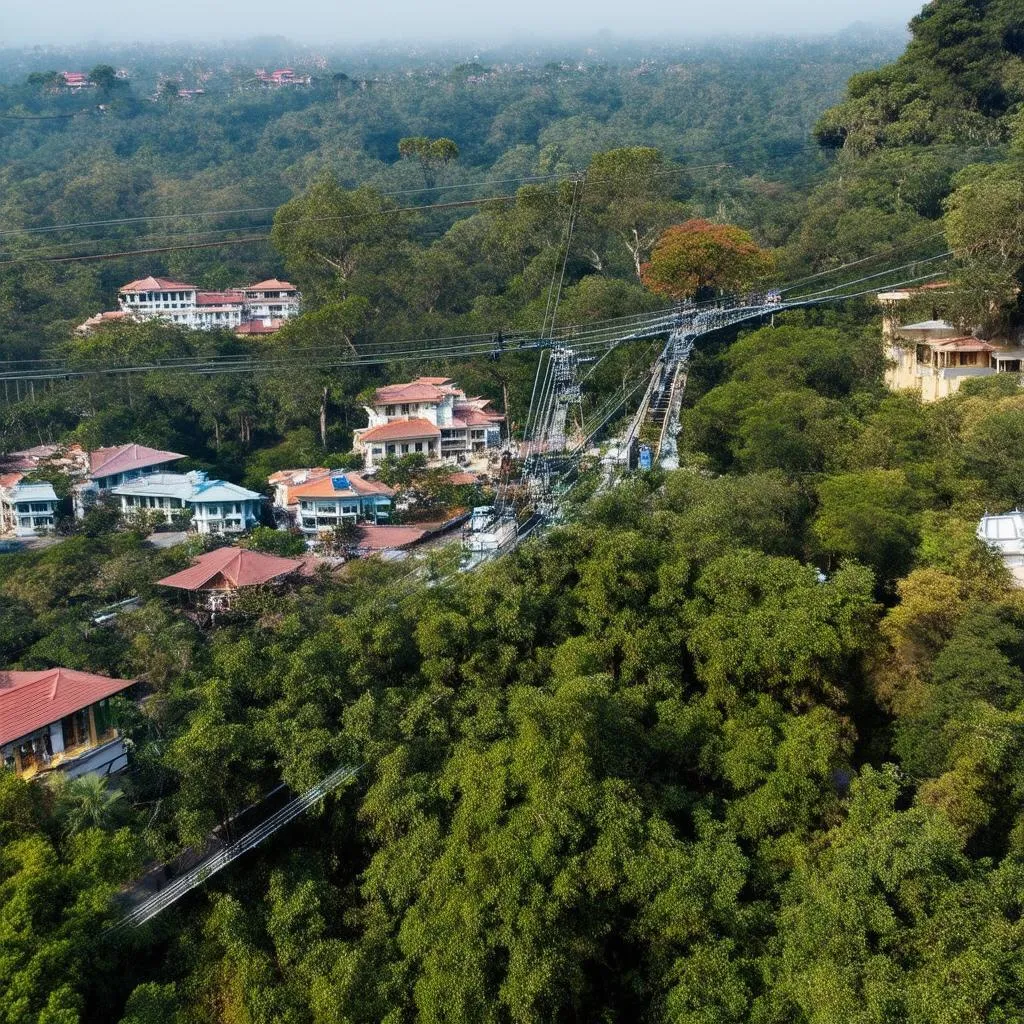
104	760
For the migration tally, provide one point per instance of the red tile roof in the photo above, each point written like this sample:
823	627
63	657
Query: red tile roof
965	345
387	538
228	568
157	284
10	479
258	327
232	297
401	430
463	479
433	380
125	457
415	391
271	285
477	417
32	700
322	487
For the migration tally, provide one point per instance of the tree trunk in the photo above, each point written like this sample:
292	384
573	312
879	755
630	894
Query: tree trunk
323	418
634	250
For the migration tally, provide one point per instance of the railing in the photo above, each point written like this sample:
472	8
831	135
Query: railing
149	908
67	755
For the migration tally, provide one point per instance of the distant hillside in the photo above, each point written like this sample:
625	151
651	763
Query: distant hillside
961	80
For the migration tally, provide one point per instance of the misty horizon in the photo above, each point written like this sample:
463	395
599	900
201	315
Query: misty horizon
55	23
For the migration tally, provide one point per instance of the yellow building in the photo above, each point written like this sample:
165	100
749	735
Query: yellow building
933	357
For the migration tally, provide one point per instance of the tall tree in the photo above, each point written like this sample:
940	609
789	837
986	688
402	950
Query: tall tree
698	258
630	198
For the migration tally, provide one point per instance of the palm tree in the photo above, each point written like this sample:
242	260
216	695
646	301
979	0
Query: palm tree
87	803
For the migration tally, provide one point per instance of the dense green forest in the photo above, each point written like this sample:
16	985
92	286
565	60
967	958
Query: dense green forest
739	742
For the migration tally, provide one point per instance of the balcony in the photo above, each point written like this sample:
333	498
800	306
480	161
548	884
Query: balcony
66	759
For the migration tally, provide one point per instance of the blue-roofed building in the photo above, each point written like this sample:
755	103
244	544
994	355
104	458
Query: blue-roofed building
216	506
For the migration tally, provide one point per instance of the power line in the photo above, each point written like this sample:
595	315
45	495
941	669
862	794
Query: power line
582	336
553	176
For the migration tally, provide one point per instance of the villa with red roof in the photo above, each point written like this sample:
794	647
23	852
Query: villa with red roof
59	719
110	467
260	308
272	300
213	580
429	416
332	499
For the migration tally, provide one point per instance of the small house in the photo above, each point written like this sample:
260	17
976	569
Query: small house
26	510
213	580
1005	534
109	467
338	498
59	719
933	357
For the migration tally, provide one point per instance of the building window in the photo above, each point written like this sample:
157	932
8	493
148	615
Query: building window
419	446
75	728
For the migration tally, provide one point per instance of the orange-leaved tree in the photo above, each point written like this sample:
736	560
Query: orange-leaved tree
698	258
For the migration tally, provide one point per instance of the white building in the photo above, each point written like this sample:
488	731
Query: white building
331	500
258	309
109	467
428	416
216	506
26	510
272	299
1005	534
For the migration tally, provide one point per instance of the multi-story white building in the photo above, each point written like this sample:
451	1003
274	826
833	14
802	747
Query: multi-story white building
215	506
258	309
272	300
320	500
428	416
26	510
109	467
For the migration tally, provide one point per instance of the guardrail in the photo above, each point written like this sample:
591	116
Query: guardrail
161	900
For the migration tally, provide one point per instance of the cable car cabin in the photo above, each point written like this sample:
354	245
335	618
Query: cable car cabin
644	458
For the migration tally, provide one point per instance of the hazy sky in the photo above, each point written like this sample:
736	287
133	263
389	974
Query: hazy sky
69	21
